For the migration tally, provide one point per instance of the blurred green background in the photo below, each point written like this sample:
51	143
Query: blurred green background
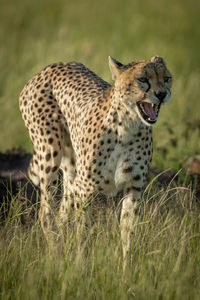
36	33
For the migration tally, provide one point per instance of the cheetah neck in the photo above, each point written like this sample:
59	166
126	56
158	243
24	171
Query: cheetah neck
126	122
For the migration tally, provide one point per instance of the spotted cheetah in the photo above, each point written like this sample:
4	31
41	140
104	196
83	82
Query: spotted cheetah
100	135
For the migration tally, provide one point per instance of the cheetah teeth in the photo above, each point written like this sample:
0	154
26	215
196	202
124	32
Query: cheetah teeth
155	107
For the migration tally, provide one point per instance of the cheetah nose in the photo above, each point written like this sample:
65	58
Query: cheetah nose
161	95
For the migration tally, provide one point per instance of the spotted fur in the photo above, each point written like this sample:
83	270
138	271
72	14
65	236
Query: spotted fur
100	135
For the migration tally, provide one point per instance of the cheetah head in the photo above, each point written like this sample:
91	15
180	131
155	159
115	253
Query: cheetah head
142	86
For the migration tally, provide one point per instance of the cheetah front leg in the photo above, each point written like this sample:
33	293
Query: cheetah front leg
129	217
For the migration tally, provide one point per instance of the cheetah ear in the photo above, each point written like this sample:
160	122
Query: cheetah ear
158	59
115	67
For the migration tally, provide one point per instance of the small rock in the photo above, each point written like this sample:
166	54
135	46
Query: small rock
192	165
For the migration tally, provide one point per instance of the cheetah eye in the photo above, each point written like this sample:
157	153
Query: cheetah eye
166	78
143	79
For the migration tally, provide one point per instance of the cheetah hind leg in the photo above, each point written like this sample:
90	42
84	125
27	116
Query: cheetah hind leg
68	167
47	186
33	170
71	207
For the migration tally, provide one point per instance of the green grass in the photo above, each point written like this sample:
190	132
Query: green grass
165	255
34	35
166	260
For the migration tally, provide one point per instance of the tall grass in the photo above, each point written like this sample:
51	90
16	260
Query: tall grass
164	263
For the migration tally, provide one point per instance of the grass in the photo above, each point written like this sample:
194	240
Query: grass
166	259
34	35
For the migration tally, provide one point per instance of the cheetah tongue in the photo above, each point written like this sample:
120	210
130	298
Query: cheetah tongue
149	110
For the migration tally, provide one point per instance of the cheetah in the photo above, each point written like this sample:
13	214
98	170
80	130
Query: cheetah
100	135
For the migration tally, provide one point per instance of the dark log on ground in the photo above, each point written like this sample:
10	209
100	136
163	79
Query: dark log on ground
14	182
13	173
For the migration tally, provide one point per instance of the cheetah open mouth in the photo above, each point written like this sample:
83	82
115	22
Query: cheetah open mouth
148	111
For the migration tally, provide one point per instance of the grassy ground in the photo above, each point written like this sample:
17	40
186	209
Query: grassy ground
166	262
